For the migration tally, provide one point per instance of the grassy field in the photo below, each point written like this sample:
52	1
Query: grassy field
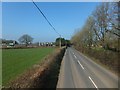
16	61
0	68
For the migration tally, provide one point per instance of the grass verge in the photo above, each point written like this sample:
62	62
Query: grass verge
106	58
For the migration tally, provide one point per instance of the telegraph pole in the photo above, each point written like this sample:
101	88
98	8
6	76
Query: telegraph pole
60	42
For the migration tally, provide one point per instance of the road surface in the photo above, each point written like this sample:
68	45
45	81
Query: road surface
78	71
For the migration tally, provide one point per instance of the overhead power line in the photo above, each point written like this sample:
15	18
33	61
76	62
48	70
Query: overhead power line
46	18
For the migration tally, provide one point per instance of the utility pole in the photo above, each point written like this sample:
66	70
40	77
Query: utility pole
60	41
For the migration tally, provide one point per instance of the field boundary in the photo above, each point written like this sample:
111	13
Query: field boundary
41	75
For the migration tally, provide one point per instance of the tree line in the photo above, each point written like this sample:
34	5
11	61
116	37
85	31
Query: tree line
101	29
27	40
64	42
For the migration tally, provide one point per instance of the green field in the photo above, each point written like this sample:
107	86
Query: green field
16	61
0	68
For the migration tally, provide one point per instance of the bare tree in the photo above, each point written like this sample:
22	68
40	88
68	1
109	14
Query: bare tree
101	18
114	18
101	28
25	39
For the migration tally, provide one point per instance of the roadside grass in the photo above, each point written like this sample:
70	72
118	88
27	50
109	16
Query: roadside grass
106	58
16	61
98	48
101	64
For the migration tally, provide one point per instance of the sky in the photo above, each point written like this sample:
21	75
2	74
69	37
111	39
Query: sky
19	18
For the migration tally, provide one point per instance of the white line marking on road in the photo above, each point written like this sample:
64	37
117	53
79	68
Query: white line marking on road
93	82
65	53
80	64
73	53
75	56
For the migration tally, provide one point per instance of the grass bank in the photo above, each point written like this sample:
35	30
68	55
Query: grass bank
107	58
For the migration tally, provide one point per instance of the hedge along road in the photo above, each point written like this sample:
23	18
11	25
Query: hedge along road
16	61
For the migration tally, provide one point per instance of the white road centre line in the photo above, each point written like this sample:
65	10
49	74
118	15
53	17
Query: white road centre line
65	52
80	64
75	56
93	82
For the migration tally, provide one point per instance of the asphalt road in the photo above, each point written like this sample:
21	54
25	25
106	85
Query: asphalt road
78	71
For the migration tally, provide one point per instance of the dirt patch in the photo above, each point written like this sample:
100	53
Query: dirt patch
44	75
